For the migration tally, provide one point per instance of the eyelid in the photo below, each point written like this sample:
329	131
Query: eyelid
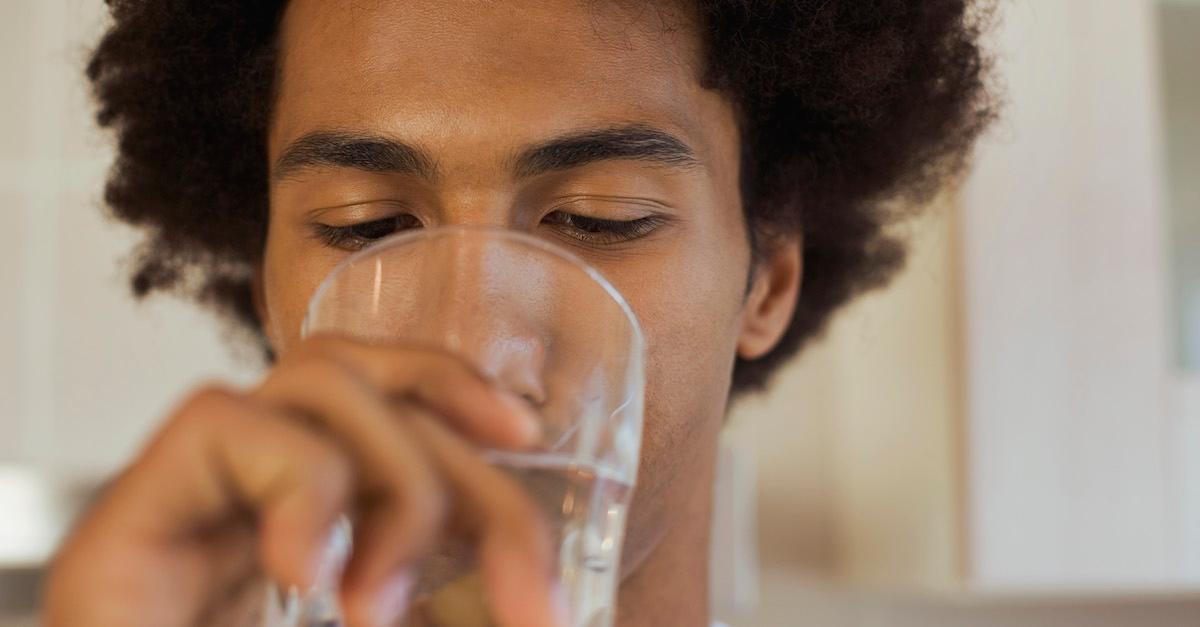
579	204
345	236
358	212
611	233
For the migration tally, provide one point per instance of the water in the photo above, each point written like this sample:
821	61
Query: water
585	507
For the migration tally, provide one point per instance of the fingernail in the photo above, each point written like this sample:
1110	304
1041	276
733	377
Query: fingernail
289	604
392	600
529	425
326	561
318	563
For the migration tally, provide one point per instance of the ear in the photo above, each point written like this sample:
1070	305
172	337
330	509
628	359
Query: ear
772	299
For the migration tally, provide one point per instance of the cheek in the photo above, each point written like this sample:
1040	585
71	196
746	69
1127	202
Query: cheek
689	301
691	329
692	317
291	274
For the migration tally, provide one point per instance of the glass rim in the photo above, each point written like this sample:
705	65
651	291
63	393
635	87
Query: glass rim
413	236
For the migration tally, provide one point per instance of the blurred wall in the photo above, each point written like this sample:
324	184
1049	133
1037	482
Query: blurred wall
84	370
1065	292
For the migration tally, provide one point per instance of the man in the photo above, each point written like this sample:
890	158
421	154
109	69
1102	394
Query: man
704	156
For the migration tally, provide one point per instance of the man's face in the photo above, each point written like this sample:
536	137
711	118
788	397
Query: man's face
474	85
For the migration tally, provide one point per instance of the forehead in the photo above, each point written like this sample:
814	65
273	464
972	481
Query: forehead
471	67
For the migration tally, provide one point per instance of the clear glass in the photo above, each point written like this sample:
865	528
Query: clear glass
545	326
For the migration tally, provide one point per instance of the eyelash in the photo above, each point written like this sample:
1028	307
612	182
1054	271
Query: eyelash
583	228
601	231
356	236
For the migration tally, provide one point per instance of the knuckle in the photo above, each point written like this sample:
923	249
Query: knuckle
195	416
423	502
430	501
206	403
427	516
208	396
328	473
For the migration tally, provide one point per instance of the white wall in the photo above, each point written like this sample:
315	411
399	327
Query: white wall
1064	279
84	371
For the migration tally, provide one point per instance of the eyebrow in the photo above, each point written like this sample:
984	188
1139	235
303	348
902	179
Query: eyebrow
370	153
634	142
376	153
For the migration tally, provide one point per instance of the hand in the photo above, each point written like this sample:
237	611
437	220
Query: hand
239	486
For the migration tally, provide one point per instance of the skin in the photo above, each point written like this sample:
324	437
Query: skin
470	86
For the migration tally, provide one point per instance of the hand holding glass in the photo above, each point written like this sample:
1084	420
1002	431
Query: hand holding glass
538	323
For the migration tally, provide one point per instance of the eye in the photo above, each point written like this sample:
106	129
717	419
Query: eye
356	236
600	230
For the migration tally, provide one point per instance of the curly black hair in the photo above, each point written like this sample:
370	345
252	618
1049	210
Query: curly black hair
845	107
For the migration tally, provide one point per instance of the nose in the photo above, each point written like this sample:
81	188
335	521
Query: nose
480	305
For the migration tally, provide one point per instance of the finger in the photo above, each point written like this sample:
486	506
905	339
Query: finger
163	519
398	490
514	541
442	382
243	455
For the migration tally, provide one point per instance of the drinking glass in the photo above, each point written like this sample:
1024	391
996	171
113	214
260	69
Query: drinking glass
543	325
